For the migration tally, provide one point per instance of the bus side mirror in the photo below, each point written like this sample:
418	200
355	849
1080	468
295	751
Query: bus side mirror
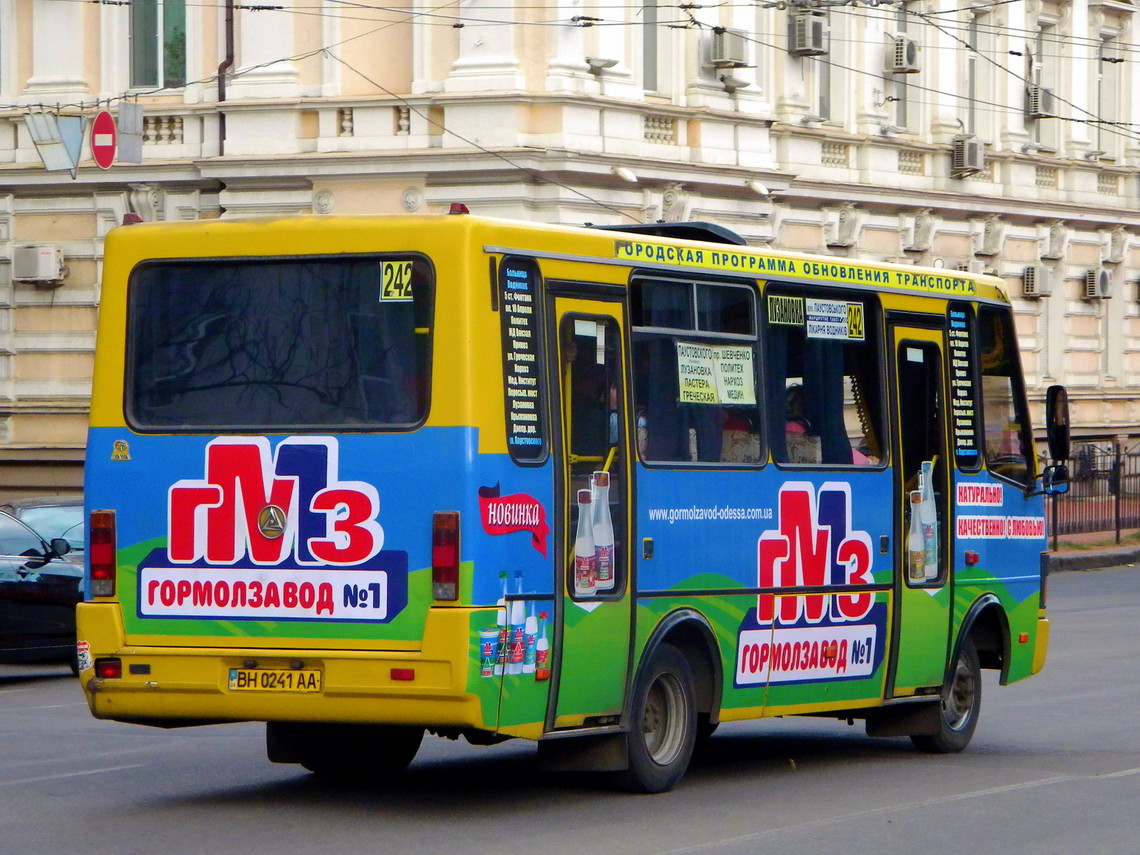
59	547
1057	423
1055	479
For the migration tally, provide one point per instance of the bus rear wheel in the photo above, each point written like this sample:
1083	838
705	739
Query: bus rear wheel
664	729
354	752
961	703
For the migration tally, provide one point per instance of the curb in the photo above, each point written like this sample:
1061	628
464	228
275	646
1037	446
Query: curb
1093	559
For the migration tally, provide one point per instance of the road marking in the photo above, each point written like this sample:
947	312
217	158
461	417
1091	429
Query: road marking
819	823
68	775
48	707
1122	774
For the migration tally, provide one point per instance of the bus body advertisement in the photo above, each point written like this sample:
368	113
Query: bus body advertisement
334	467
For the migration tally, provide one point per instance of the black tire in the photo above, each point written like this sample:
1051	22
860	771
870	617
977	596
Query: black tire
961	704
664	723
351	752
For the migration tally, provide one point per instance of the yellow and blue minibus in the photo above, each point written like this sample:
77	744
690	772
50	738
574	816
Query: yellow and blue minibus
364	478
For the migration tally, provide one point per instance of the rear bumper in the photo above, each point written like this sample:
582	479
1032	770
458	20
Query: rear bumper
168	684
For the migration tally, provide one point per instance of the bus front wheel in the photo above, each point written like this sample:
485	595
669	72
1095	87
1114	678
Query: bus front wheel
961	704
664	723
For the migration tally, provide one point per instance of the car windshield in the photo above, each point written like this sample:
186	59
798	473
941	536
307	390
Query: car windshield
64	521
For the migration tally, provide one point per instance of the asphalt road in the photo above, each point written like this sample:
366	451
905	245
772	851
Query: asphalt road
1054	768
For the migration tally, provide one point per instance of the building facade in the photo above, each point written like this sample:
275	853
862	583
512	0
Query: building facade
996	136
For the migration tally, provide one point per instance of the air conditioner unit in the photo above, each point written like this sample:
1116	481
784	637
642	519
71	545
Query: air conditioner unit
1039	102
1036	282
1098	284
902	56
38	264
808	34
967	156
729	49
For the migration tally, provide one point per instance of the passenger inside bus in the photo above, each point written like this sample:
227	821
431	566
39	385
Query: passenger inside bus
826	392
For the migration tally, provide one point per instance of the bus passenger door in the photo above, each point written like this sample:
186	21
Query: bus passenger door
592	583
923	589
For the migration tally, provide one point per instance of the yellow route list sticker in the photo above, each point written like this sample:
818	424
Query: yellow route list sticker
710	374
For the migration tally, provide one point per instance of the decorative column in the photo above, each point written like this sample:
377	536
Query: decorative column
59	38
487	53
263	39
1081	57
1016	21
567	68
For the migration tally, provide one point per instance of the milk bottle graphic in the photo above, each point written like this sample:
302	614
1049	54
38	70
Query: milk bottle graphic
542	651
504	627
928	513
915	544
585	560
603	531
530	657
517	630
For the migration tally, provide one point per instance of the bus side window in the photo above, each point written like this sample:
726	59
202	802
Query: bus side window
1009	447
694	366
824	395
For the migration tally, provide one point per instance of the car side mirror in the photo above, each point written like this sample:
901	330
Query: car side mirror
1055	479
60	547
1057	422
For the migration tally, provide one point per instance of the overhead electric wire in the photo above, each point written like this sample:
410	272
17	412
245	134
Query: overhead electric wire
1122	129
534	173
412	15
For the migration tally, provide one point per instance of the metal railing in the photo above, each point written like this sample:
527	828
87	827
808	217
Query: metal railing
1104	495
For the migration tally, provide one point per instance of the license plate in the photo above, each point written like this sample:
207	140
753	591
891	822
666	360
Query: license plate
274	680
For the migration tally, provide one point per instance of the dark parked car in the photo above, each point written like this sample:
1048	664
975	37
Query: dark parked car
51	517
38	594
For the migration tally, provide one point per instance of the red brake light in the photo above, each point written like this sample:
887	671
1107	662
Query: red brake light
445	555
101	544
109	669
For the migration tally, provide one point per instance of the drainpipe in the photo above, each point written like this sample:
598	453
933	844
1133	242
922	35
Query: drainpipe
223	69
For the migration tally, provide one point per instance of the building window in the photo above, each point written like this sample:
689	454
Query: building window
650	46
1109	85
979	77
1046	49
825	65
903	117
158	43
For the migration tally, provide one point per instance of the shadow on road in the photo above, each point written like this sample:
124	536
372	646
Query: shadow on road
510	774
15	675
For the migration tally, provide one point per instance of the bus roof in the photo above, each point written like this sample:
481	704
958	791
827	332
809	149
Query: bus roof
237	237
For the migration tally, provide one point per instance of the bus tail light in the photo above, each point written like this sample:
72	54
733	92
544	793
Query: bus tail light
445	555
101	553
109	669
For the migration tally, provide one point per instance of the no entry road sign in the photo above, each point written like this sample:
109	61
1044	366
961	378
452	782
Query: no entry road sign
104	139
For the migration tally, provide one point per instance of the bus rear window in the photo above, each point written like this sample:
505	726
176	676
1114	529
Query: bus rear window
279	344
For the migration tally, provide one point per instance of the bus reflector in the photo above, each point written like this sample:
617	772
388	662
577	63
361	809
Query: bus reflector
101	553
458	208
403	673
445	555
109	669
